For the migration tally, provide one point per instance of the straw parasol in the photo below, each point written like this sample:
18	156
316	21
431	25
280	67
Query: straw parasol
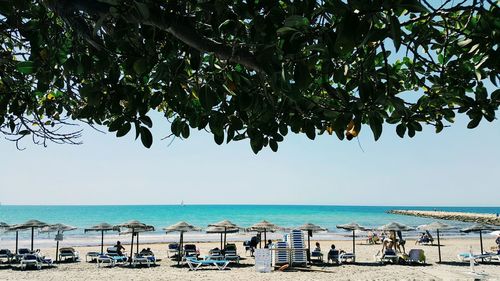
134	228
181	227
59	228
4	225
436	226
227	226
31	224
479	227
395	226
264	226
352	227
223	231
102	227
310	228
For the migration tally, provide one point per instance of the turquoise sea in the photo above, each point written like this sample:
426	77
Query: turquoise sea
202	215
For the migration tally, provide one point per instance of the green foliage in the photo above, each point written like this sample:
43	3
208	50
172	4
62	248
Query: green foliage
246	69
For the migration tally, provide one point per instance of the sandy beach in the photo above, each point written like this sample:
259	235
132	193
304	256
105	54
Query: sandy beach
365	269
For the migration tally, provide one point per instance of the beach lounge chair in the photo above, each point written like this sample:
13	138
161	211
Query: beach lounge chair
92	256
416	256
215	254
68	254
317	256
113	253
102	259
190	251
139	259
173	248
387	257
346	257
333	255
30	260
299	255
281	257
6	254
194	264
466	257
231	253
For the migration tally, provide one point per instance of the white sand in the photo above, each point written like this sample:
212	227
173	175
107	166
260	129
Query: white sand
366	269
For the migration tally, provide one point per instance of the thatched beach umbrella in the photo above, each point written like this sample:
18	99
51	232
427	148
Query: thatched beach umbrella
181	227
31	224
436	226
59	228
102	227
222	231
4	225
310	228
263	226
479	227
227	226
395	226
134	228
352	227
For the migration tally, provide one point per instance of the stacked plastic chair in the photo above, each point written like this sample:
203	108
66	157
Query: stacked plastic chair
281	257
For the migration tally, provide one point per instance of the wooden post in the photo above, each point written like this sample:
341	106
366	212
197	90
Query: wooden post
354	245
481	241
132	247
439	246
32	237
57	250
17	241
102	242
137	243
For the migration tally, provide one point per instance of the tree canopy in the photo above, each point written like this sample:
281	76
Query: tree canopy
245	69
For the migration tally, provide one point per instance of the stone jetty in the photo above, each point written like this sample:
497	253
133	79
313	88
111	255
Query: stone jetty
492	219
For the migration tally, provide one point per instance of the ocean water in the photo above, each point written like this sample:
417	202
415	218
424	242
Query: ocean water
202	215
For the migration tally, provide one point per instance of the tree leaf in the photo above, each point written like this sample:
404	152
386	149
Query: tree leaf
401	130
146	121
395	32
25	67
146	137
124	129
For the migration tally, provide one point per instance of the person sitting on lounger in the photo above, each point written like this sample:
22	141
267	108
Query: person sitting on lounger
388	247
334	254
269	244
119	248
146	252
318	248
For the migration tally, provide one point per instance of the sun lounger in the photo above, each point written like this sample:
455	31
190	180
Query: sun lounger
416	256
173	248
346	257
68	254
281	257
112	252
190	251
299	256
92	256
102	259
6	254
194	264
30	260
231	253
388	256
139	259
466	257
317	255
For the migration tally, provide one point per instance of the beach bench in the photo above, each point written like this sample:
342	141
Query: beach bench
194	264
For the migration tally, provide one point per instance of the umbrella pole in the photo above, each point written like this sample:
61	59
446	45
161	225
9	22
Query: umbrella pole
354	245
265	237
137	244
439	247
32	237
17	241
225	233
132	247
102	241
57	250
481	241
179	249
221	241
308	248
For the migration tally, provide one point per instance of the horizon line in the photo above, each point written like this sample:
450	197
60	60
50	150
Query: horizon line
248	204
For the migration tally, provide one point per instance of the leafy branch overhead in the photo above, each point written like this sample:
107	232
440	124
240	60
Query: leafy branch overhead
246	69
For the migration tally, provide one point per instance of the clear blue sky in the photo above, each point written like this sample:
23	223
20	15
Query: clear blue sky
456	167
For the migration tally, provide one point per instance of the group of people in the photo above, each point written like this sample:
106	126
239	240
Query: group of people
333	253
425	237
393	243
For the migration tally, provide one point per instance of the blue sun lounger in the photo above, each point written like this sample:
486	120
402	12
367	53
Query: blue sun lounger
194	264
